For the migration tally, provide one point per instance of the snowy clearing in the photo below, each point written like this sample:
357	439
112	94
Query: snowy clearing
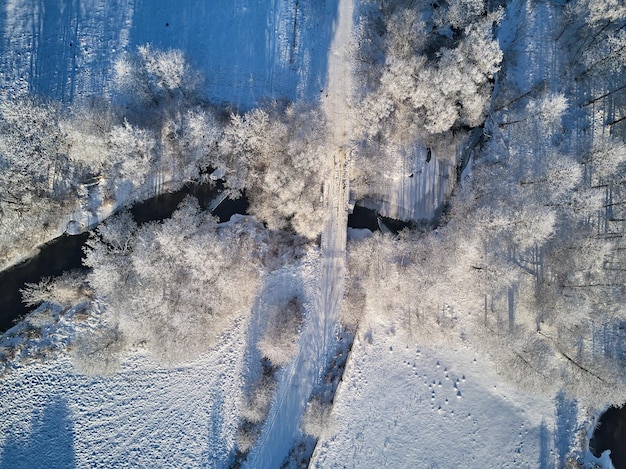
401	406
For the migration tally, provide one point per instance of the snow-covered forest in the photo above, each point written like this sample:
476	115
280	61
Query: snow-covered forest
495	128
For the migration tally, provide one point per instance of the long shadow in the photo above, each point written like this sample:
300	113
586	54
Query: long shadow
545	460
566	415
50	444
290	395
249	51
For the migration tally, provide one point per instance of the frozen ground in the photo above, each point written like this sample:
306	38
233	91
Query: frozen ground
401	406
248	50
144	415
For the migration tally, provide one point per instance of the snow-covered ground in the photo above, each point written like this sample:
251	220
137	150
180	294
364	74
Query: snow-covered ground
398	405
144	415
248	50
402	406
417	191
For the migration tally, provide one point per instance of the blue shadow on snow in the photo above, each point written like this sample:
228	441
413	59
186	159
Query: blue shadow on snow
50	444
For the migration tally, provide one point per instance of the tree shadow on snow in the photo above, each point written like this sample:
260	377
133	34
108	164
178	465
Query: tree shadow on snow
50	443
566	414
545	456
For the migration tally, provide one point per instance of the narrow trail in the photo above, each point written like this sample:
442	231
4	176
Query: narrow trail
317	343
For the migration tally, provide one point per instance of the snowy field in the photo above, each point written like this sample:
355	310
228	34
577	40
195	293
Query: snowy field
248	50
401	406
144	415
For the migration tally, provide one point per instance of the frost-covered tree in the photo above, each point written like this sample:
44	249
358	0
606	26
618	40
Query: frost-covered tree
457	14
87	129
192	147
277	157
133	153
433	80
598	11
32	152
173	285
36	177
156	78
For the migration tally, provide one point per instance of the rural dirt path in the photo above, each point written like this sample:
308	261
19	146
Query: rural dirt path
317	343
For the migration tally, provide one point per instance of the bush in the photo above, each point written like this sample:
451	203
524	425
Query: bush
279	343
317	420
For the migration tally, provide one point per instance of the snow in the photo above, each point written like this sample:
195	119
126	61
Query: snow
390	410
416	192
246	49
401	406
358	233
142	415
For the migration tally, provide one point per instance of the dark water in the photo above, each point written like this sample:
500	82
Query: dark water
362	217
611	434
162	206
65	253
59	255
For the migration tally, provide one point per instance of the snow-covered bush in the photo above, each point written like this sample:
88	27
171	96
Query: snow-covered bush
279	342
257	405
254	411
317	420
153	77
247	435
66	290
98	351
